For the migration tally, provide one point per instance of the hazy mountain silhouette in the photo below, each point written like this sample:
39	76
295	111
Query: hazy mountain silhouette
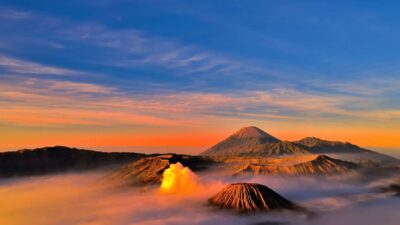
317	145
58	159
341	150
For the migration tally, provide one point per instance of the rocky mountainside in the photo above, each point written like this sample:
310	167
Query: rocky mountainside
248	197
253	142
320	165
149	170
279	148
58	159
248	140
318	146
342	150
249	132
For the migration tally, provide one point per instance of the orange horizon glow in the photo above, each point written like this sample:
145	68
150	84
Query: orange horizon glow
187	138
62	115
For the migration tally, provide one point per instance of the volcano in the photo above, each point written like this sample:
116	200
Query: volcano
317	145
254	132
248	140
252	142
144	171
320	165
250	197
149	170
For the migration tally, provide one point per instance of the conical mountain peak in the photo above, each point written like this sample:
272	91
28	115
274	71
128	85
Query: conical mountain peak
244	141
247	197
247	132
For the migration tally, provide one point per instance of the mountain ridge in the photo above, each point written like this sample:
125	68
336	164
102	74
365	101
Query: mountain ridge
149	170
55	159
322	164
254	142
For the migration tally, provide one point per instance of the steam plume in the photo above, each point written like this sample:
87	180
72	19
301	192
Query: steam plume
178	179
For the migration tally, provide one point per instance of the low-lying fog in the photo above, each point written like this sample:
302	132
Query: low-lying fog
82	199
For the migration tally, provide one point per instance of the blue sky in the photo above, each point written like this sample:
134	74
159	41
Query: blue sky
331	64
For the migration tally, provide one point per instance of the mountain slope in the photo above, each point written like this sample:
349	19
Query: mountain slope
320	165
342	150
58	159
280	148
149	170
146	171
317	146
247	197
252	141
249	132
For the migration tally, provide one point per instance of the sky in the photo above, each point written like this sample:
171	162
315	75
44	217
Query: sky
114	74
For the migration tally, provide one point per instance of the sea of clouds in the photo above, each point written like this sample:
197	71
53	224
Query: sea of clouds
80	199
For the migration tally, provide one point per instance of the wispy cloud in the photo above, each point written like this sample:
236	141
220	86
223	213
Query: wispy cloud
372	86
131	50
12	14
134	48
103	104
42	102
26	67
39	102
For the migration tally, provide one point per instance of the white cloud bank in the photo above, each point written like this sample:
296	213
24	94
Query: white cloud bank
79	200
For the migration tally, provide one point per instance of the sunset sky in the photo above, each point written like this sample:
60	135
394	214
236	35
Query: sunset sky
110	74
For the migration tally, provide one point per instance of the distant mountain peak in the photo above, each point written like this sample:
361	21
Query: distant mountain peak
253	142
49	148
311	140
314	141
243	141
326	159
251	131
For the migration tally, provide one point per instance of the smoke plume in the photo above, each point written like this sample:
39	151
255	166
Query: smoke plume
179	179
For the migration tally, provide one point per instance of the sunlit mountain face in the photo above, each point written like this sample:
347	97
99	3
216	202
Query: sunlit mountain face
209	112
